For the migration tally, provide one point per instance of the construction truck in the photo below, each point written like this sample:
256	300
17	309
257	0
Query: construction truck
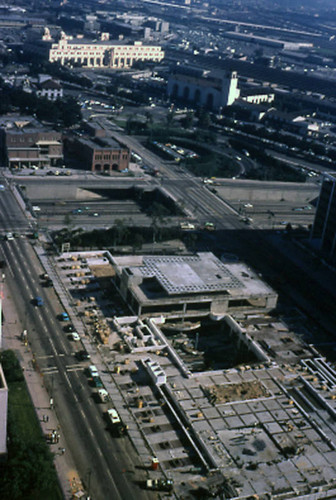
160	484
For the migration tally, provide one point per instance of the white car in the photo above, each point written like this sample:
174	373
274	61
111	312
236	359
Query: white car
74	336
93	371
9	236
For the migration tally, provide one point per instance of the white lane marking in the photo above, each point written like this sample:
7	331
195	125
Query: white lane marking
10	268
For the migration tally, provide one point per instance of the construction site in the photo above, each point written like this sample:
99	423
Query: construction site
232	404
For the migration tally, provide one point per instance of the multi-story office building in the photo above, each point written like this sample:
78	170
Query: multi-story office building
324	227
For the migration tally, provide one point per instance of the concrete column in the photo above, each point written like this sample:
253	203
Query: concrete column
326	219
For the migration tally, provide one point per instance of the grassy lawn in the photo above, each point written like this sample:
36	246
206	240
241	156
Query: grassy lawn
29	472
23	413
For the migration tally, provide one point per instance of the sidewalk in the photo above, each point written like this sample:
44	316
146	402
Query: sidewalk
12	329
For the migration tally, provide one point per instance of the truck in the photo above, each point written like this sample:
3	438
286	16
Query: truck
187	226
209	226
117	427
160	484
47	281
103	395
154	172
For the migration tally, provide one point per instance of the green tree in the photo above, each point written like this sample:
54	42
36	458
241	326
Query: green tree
137	242
11	366
149	118
204	120
120	231
170	118
188	120
68	221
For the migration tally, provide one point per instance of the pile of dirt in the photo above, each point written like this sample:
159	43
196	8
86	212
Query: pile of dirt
102	271
236	392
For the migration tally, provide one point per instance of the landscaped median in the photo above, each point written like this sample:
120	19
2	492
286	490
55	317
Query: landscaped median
29	472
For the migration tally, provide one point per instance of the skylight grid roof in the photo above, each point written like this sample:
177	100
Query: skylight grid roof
189	274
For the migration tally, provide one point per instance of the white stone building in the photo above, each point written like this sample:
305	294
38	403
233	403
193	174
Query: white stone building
213	90
102	54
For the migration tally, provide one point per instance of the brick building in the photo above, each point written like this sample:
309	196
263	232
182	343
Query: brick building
99	154
25	142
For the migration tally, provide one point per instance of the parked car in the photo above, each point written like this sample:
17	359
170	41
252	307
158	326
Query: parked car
64	316
82	356
74	336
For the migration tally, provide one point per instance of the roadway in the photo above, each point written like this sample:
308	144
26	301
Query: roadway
108	461
12	216
200	202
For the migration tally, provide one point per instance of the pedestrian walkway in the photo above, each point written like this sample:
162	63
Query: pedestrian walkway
12	329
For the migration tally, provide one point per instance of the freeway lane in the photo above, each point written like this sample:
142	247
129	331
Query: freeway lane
11	216
81	420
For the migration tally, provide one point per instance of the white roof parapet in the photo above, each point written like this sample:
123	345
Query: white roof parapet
155	371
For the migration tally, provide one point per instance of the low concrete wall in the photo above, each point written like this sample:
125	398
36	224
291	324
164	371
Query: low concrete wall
268	191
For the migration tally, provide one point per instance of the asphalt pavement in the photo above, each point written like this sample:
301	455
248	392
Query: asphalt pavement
65	466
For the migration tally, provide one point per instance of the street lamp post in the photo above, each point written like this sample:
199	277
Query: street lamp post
1	298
